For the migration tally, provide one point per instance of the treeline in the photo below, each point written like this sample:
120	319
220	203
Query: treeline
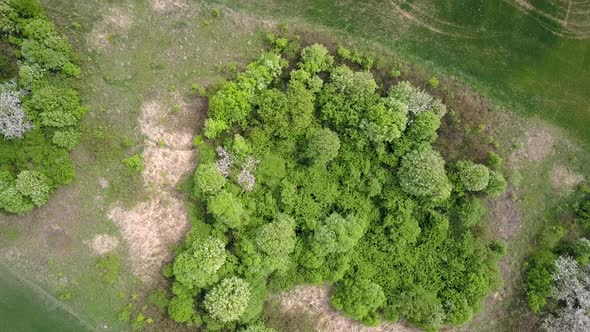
310	173
558	274
40	109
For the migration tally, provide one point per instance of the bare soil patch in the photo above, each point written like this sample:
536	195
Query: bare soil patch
504	216
537	144
103	243
565	179
314	300
153	226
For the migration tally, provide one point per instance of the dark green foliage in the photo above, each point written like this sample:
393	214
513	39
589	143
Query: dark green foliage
345	188
38	163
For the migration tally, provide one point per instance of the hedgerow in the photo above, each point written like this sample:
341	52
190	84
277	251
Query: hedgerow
343	187
40	110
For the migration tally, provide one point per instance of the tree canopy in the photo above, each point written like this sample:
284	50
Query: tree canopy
317	175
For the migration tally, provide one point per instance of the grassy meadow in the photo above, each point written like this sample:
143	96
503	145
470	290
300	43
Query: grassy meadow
132	53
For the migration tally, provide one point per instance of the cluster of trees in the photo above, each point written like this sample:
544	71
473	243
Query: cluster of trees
40	110
558	276
344	188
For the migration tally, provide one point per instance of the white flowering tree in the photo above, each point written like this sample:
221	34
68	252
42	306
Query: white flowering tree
14	122
571	290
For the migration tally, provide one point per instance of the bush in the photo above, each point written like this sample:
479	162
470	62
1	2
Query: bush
315	58
496	185
134	163
359	299
473	177
34	185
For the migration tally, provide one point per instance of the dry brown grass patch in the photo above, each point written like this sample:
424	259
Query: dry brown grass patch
103	243
153	226
314	300
564	179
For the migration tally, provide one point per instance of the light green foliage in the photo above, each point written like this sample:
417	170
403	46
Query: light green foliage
359	299
422	174
181	309
134	163
337	234
473	177
34	185
497	184
315	58
277	238
67	139
227	209
348	191
228	300
208	179
470	211
56	107
323	146
197	266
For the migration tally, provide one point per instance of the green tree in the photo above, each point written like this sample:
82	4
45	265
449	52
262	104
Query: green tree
228	300
198	265
323	146
208	179
359	299
227	209
181	309
473	177
422	174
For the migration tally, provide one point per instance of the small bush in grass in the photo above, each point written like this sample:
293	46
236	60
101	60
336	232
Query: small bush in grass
134	163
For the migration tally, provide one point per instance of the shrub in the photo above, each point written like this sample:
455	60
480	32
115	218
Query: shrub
227	209
159	298
134	163
181	309
67	139
315	58
473	177
359	299
496	185
34	185
228	300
